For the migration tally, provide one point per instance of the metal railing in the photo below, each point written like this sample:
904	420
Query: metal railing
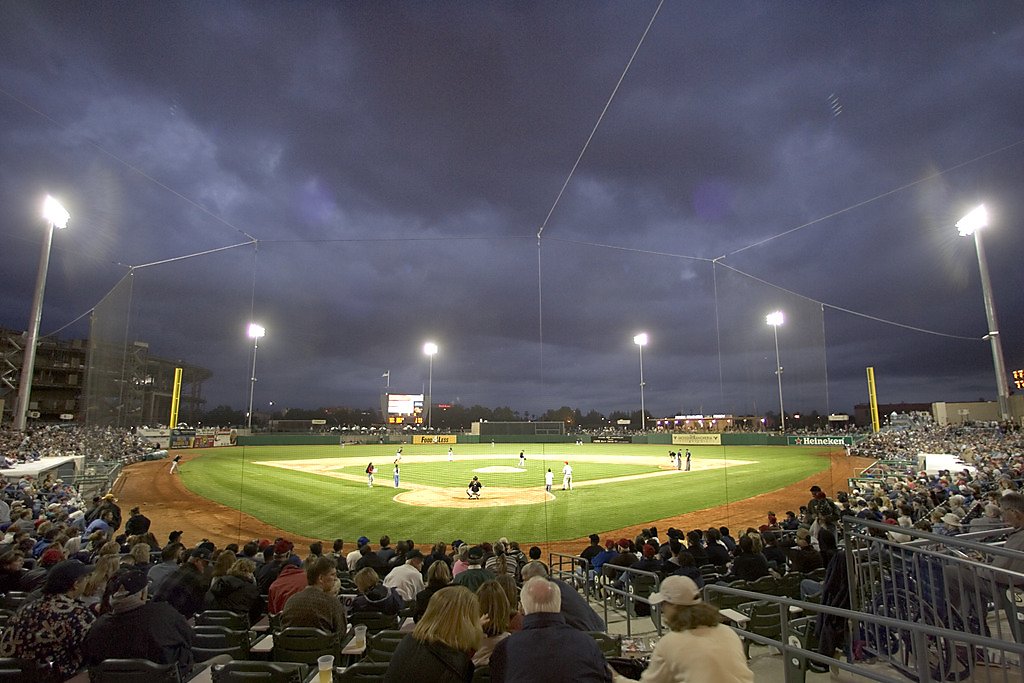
619	594
917	651
936	580
97	478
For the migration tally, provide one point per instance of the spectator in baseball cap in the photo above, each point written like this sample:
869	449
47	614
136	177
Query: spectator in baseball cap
698	647
139	629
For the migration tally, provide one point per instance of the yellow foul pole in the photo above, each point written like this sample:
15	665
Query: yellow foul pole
175	399
873	399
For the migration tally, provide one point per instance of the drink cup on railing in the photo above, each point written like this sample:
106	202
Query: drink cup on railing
325	665
360	638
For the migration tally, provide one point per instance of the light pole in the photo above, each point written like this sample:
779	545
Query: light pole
775	319
430	348
255	332
641	341
971	224
56	216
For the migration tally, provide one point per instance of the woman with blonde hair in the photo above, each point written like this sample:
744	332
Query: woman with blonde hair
495	619
236	591
698	647
438	577
225	560
511	588
96	583
440	647
373	595
140	557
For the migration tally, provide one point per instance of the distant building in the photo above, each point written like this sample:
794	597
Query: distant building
862	411
136	390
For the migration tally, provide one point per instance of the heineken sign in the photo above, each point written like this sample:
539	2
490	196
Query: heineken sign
818	440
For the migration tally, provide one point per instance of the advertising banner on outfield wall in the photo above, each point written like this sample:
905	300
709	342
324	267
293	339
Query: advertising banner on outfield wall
225	437
696	439
819	440
182	438
436	438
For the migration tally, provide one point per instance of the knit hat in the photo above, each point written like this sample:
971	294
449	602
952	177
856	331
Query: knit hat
51	557
649	550
283	547
677	590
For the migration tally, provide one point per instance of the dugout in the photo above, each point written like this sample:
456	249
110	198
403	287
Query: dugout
483	428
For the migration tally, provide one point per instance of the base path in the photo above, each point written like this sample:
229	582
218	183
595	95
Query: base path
166	501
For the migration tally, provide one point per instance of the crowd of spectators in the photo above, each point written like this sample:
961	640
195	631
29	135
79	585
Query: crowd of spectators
103	444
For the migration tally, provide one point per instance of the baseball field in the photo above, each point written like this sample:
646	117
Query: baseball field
323	491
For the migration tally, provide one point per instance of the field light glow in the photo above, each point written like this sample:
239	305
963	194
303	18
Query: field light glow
774	319
975	220
55	213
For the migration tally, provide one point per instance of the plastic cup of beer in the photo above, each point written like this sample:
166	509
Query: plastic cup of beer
360	635
325	665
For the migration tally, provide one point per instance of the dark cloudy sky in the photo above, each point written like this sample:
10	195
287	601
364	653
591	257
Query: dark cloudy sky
394	163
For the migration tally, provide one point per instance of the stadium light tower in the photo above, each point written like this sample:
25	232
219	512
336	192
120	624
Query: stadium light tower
56	216
641	341
775	319
255	332
971	224
430	348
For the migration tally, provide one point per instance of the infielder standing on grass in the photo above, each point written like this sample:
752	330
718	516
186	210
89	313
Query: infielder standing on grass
369	475
549	479
567	476
522	459
396	474
451	454
687	459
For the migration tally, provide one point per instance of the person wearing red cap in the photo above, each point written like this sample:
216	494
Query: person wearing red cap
290	581
269	572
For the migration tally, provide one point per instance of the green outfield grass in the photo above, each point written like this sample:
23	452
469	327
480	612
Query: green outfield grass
321	506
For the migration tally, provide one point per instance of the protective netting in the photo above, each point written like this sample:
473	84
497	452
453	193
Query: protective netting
107	358
539	330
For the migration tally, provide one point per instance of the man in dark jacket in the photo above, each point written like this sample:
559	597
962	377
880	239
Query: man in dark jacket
186	588
547	650
137	524
137	629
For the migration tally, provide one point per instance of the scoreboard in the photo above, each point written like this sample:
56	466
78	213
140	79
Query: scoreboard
405	409
1018	378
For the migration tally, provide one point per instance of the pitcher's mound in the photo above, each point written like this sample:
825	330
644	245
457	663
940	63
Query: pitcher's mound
489	497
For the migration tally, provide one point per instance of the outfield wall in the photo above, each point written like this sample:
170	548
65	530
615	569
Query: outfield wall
678	439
